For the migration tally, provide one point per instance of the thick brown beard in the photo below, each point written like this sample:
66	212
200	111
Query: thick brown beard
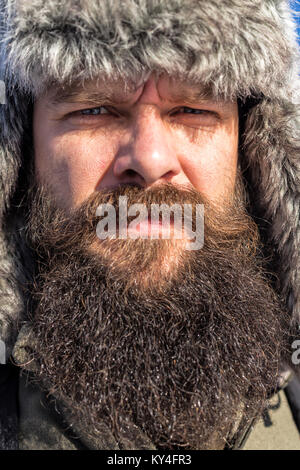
180	358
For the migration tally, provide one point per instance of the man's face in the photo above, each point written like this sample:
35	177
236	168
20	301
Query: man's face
106	134
176	337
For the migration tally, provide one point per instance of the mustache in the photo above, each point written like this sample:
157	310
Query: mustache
226	225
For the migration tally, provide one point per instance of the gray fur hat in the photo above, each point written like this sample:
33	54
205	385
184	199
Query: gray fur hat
243	49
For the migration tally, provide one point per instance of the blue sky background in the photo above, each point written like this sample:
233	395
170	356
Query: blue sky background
296	6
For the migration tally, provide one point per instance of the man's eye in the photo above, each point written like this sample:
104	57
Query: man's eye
92	115
187	110
94	111
194	117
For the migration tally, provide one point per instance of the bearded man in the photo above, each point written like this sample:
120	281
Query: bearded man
121	340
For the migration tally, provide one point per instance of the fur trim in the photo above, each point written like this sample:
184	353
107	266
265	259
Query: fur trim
241	48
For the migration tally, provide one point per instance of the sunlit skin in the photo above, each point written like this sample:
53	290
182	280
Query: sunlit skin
162	131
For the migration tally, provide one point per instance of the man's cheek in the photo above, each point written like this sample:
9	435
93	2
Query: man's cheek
73	177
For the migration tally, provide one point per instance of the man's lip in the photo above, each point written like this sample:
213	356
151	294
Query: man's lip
148	227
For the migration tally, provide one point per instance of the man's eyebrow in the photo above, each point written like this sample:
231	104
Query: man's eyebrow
82	96
85	96
193	95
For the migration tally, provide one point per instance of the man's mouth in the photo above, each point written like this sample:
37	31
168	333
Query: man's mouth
153	227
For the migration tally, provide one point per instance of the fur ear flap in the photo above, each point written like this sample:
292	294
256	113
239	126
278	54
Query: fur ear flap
15	262
271	148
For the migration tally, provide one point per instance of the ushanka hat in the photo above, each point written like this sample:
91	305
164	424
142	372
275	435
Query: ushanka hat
242	49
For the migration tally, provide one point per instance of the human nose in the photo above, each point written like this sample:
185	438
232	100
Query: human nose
149	156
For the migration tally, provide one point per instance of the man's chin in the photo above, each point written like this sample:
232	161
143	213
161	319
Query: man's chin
143	265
